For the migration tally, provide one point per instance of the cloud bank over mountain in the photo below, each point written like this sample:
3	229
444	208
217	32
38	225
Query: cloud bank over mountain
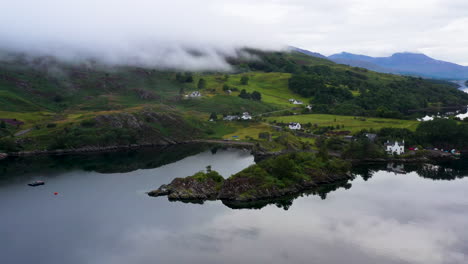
168	34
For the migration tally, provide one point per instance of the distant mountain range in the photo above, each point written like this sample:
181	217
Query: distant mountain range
404	63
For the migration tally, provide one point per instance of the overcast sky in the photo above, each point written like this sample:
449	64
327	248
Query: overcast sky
154	32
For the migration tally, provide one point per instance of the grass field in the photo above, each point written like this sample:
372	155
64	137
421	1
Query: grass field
247	129
350	123
273	86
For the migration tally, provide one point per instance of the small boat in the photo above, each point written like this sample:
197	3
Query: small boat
36	183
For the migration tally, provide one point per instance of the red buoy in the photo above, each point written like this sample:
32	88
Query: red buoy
55	193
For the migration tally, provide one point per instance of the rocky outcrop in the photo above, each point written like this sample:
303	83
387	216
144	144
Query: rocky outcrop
189	189
237	189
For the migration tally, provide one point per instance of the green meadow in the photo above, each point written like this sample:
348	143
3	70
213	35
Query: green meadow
350	123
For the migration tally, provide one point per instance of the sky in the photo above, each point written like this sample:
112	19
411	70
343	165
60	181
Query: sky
165	33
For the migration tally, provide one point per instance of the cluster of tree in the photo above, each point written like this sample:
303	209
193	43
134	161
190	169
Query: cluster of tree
184	77
8	144
440	133
289	169
227	87
201	84
394	99
244	80
256	96
80	136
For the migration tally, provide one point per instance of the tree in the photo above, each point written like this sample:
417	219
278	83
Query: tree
213	116
244	94
3	124
179	77
208	169
226	87
181	91
8	145
201	84
188	78
256	96
244	80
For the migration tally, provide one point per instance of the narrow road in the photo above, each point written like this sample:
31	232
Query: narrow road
22	132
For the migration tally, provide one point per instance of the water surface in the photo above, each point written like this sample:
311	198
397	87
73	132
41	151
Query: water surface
102	215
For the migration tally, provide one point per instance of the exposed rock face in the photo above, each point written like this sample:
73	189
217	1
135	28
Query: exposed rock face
189	189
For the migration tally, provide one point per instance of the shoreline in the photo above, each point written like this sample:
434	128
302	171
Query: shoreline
106	149
257	153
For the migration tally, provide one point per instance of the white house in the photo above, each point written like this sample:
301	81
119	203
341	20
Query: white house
309	107
195	94
426	118
292	100
246	116
294	126
395	147
463	116
297	102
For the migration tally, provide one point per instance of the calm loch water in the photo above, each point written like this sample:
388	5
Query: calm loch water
102	214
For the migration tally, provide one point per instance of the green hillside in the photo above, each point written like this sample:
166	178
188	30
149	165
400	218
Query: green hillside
66	101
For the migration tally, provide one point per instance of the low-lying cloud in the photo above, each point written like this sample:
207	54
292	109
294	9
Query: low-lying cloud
179	34
164	34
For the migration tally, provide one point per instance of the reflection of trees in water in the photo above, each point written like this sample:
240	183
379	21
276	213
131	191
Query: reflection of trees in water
452	171
112	162
449	170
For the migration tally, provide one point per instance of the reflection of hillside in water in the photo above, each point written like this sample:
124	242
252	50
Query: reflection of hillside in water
113	162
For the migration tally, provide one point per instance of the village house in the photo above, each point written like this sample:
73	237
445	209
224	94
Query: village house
309	107
294	101
231	118
294	126
371	136
426	118
395	147
246	116
195	94
463	116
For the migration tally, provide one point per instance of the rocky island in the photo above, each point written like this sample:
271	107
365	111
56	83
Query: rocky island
276	177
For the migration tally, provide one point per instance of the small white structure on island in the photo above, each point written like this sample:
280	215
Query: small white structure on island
195	94
426	118
395	147
309	107
463	116
294	126
246	116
